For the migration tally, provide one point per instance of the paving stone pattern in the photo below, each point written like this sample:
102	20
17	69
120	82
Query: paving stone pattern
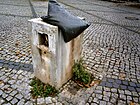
111	51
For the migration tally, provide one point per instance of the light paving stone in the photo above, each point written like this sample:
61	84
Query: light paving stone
109	103
27	96
99	96
90	99
1	85
19	72
103	103
121	91
135	94
20	76
127	92
7	104
14	101
48	100
21	102
93	94
5	86
113	100
12	81
107	89
123	45
40	100
105	98
1	101
1	92
108	94
98	91
9	98
99	87
29	103
115	95
122	96
129	97
93	103
114	90
19	96
87	104
135	99
4	95
54	100
96	100
13	93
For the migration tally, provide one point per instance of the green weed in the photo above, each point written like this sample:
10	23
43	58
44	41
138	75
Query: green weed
80	74
41	89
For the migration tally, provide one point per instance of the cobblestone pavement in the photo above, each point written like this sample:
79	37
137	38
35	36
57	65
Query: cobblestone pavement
111	50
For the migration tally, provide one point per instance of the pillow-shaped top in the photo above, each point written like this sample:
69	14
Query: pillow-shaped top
70	25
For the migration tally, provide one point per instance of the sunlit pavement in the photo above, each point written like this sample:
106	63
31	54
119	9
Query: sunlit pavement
111	51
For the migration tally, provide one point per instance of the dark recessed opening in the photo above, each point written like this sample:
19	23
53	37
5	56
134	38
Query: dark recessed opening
44	52
43	39
131	18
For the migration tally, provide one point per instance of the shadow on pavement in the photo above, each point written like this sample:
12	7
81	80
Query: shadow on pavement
16	65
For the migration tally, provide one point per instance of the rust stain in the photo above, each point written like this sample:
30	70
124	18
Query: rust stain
75	52
45	51
122	76
1	82
45	55
95	82
68	69
133	103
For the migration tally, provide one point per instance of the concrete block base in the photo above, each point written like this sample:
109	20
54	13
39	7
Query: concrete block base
52	57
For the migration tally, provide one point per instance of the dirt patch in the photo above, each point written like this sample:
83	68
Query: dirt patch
73	89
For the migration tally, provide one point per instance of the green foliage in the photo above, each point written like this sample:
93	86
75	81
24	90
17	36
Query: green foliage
41	89
80	74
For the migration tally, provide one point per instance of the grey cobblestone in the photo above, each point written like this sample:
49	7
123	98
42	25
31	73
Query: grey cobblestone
21	102
19	96
131	88
127	92
114	90
48	100
129	98
40	100
90	99
14	101
1	101
105	98
98	91
135	99
54	100
4	95
135	94
13	93
9	98
110	49
28	103
122	96
103	103
113	100
1	92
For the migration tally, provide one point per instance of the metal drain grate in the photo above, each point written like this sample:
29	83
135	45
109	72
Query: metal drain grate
131	18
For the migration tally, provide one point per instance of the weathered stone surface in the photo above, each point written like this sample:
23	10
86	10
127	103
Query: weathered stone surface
50	66
110	49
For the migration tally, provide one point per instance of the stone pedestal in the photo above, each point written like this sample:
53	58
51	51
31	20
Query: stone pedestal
52	57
